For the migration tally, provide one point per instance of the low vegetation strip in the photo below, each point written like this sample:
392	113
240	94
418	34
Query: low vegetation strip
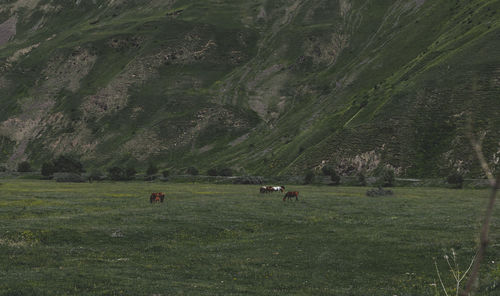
108	239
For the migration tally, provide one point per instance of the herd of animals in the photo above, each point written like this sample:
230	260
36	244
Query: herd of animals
157	197
288	195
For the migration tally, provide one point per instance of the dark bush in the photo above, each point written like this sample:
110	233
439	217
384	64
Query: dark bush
116	173
335	177
119	174
130	173
68	177
48	169
3	168
24	167
212	172
327	170
309	178
165	173
152	169
361	179
388	178
226	172
192	171
95	176
67	164
379	192
456	180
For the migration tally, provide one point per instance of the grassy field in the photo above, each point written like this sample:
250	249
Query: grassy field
107	239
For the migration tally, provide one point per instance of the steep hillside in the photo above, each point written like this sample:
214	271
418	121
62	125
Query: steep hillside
264	87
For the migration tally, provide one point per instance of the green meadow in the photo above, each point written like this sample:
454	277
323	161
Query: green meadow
205	239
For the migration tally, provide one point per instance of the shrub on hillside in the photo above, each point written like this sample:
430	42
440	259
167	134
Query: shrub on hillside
361	179
95	175
309	177
67	164
120	174
116	174
387	178
192	171
130	173
456	180
24	167
334	177
226	172
212	172
48	169
152	169
327	170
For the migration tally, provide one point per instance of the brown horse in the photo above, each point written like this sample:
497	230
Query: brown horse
266	189
156	197
291	194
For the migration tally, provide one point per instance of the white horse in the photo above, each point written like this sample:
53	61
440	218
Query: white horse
279	188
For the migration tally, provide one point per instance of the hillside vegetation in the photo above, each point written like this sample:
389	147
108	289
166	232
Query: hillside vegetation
263	87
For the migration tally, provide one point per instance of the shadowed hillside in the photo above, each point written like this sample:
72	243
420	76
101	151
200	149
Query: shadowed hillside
264	87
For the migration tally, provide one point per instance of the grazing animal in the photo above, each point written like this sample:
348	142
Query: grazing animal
268	189
279	188
291	194
156	197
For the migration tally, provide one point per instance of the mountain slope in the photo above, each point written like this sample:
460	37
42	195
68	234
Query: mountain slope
265	87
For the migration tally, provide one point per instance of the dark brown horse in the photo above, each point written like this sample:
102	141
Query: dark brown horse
291	194
156	197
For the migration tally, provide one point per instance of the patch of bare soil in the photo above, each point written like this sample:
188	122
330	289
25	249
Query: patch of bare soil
29	4
80	141
326	50
8	30
267	87
25	127
206	148
143	145
115	95
66	72
363	162
148	142
35	118
4	82
367	161
21	52
345	7
239	140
